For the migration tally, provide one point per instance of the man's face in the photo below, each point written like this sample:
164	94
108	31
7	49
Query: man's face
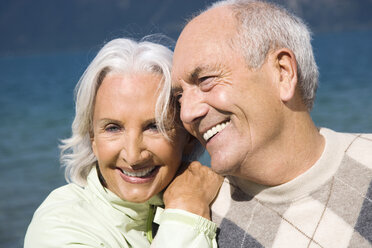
234	111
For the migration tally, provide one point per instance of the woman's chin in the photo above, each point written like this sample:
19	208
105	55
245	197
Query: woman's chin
137	193
137	198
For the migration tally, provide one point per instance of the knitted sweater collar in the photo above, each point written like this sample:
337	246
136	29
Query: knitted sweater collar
322	171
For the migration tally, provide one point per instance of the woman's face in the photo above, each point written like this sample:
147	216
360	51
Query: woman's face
134	158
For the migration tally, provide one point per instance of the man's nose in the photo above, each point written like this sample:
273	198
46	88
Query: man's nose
192	106
134	151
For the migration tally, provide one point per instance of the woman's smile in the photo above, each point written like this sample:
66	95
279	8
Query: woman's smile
126	135
137	177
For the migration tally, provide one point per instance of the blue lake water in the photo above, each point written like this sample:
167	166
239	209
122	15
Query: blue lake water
36	109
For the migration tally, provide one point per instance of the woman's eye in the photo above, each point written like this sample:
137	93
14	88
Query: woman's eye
112	128
153	127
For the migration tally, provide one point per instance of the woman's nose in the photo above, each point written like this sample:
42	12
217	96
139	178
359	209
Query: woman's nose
134	150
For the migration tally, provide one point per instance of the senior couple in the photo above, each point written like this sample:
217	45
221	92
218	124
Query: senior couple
242	83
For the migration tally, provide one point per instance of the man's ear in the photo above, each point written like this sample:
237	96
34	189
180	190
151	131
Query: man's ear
286	65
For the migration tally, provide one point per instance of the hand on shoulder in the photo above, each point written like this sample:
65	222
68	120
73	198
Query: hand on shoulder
193	189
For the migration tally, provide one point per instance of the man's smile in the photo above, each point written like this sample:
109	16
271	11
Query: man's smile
214	130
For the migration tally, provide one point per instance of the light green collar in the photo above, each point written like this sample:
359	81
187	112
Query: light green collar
124	214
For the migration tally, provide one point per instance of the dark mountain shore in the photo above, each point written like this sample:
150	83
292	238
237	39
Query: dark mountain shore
50	25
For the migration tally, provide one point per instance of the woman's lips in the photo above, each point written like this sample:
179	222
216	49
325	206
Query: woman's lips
143	176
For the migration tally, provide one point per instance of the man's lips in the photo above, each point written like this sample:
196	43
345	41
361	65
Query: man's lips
214	130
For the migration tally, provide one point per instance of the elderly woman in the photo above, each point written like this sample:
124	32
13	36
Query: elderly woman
126	147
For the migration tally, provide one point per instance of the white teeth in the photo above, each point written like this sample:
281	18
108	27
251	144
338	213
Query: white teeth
214	130
141	173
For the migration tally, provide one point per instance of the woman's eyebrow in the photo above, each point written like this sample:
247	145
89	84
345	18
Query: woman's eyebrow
104	121
149	121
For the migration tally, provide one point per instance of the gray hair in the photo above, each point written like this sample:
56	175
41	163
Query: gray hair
264	27
117	56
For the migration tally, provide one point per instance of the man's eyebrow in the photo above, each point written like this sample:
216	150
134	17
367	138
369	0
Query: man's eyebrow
194	75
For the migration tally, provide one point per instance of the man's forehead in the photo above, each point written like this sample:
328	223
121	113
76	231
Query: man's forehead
215	24
191	58
217	19
202	36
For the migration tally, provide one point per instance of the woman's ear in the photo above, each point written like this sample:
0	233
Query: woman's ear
286	65
93	143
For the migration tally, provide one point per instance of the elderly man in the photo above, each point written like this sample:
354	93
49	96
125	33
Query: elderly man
245	77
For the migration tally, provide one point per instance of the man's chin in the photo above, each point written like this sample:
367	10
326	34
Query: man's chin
223	169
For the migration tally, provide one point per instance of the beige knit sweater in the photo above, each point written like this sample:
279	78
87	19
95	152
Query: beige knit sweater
330	205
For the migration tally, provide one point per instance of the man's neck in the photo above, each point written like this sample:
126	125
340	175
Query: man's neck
296	150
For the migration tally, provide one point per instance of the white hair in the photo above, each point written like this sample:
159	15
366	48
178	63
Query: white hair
117	56
264	27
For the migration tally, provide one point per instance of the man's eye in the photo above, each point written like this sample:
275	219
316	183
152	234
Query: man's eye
206	83
178	96
112	128
203	79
